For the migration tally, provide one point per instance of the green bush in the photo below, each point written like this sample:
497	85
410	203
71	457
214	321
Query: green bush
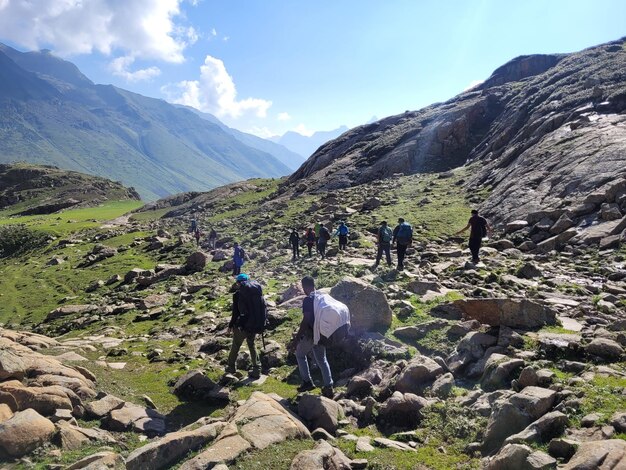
18	239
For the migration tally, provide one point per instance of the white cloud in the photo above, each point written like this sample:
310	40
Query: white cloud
284	117
215	93
472	84
144	29
121	65
213	32
301	129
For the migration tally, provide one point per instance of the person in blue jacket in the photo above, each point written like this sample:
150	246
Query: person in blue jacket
238	259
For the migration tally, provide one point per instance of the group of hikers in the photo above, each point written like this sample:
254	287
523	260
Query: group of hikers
197	234
318	237
325	321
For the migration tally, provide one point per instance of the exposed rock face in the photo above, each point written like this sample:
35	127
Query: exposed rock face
24	432
323	456
368	305
547	127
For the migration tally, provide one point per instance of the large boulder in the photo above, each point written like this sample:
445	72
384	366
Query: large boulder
167	451
511	415
605	348
24	432
608	454
136	418
322	456
44	400
420	372
262	421
195	385
369	309
514	313
100	461
320	412
196	262
402	409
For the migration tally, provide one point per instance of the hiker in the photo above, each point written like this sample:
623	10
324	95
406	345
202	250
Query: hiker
197	234
316	228
383	240
294	241
238	259
194	225
342	231
311	334
310	238
248	319
212	238
403	237
322	240
480	229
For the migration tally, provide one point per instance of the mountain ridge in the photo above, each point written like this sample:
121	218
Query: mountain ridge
100	129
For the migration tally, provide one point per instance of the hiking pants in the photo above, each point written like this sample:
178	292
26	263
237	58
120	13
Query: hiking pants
321	247
384	248
305	346
296	250
401	253
238	337
309	245
343	242
474	246
236	270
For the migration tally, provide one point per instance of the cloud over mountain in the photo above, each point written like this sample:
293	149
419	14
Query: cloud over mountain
215	93
144	29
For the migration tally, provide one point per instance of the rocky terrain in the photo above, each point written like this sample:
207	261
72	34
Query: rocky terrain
44	190
113	350
548	130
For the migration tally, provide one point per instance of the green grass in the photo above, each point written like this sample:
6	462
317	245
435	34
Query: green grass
71	220
603	395
557	330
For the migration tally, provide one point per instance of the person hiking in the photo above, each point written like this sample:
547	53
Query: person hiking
247	320
194	225
402	236
383	241
238	259
212	238
342	231
304	341
310	238
197	234
316	228
294	241
479	229
324	236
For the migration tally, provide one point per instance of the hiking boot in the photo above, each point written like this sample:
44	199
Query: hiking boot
328	392
254	374
229	370
306	387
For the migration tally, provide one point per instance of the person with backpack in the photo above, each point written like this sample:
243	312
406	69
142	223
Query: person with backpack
383	240
325	321
248	319
194	225
310	238
479	229
322	241
294	241
403	237
342	231
238	259
197	234
212	238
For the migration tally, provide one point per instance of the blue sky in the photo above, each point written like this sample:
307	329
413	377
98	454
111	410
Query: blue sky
268	66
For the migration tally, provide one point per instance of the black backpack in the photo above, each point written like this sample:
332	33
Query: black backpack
252	307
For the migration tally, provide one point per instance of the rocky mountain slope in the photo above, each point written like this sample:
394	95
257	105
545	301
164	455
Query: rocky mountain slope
52	114
44	190
548	130
517	362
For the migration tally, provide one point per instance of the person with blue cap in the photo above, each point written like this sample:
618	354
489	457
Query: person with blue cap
248	318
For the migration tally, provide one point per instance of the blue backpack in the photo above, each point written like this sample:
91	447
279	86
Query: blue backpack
343	230
405	233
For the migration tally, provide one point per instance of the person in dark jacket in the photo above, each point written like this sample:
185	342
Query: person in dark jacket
322	241
479	228
403	237
239	326
383	240
311	240
239	257
294	241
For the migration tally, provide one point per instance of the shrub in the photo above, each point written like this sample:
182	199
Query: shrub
18	239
